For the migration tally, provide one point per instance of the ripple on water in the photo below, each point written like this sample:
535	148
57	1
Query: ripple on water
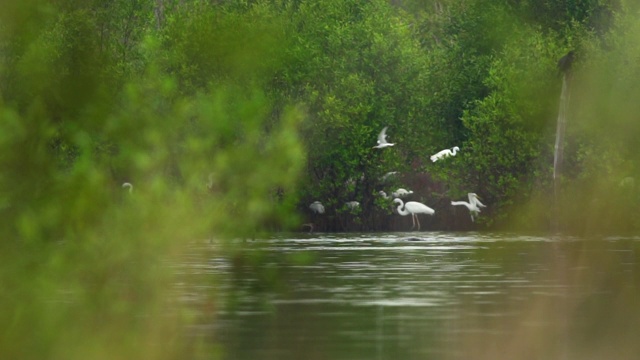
397	290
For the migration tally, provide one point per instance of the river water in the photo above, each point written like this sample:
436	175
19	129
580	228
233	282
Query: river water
419	295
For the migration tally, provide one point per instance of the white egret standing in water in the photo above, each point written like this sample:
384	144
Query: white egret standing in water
317	207
128	185
414	208
473	205
445	153
382	139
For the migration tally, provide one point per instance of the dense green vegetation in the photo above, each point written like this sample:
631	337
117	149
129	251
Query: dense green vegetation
230	117
477	74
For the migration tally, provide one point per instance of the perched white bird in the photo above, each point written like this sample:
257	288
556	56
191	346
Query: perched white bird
383	194
473	205
352	204
386	176
401	193
382	139
352	181
445	153
414	208
128	185
317	207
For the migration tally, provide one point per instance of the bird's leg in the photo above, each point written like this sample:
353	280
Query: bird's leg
418	220
413	221
310	225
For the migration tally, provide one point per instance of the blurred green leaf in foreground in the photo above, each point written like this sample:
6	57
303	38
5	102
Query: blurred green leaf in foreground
95	95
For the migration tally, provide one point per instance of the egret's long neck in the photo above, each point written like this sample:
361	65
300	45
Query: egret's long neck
454	150
402	211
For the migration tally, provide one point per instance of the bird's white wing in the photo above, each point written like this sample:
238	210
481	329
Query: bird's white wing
466	204
473	199
417	208
382	137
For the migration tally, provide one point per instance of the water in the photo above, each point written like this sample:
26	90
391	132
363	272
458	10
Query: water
419	296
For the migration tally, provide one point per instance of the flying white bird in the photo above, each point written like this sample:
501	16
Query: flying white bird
445	153
317	207
128	185
401	193
476	199
382	139
414	208
473	205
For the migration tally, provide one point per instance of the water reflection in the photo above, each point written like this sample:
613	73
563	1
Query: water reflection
422	296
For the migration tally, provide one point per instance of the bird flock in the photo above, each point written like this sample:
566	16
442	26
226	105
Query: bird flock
412	208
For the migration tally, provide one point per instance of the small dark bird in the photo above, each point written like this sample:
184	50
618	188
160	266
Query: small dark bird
564	64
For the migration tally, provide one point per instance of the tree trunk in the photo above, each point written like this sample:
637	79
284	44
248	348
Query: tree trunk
559	148
159	13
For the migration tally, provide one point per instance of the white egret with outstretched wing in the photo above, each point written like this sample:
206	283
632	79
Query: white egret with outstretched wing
382	139
473	205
